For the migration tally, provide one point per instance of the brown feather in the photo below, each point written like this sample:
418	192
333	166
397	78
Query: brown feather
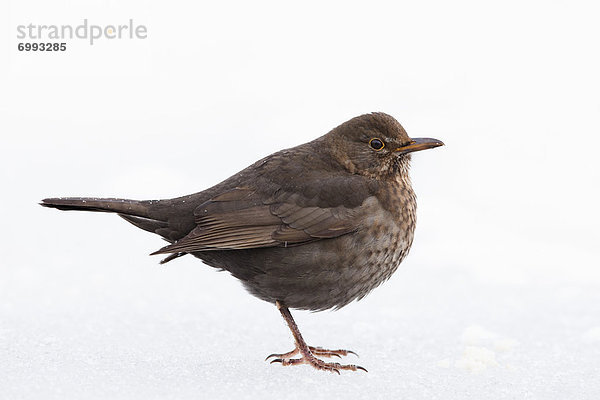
237	219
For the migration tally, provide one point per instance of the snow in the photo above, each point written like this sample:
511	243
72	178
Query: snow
476	359
592	335
480	347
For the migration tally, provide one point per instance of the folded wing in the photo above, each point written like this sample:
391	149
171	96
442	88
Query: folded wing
242	219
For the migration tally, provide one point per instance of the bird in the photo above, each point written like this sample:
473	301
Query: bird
313	227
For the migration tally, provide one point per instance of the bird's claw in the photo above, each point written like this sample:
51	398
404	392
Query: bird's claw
317	351
283	355
309	358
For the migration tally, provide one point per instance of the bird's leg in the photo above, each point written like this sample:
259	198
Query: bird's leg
308	353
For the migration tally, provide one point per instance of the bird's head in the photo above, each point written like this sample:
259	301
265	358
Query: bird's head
375	145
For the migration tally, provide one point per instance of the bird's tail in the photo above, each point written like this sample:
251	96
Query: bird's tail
121	206
145	214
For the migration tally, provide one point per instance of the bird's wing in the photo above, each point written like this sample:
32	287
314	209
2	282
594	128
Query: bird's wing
243	218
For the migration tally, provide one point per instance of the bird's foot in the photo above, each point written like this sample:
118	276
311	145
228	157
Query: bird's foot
307	356
316	351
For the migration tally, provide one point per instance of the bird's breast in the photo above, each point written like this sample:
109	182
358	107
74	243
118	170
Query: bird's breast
388	231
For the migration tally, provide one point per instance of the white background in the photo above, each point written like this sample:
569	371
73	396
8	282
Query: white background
500	296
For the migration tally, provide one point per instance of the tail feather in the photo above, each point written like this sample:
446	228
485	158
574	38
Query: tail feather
123	206
147	224
149	215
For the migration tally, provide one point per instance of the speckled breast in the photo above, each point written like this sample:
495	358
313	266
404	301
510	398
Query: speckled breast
385	240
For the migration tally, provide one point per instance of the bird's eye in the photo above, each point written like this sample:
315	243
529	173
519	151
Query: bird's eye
376	144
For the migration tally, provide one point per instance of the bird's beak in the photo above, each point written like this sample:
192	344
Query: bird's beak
419	144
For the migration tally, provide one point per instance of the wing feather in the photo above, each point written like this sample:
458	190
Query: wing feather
240	219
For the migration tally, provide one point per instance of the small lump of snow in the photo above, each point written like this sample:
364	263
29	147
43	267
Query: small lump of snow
505	344
476	359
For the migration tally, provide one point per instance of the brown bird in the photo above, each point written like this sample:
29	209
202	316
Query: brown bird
313	227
